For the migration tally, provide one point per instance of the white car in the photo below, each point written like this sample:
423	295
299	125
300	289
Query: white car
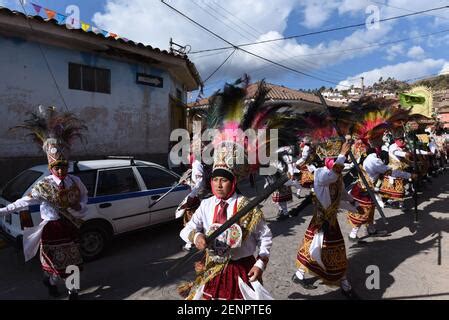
122	196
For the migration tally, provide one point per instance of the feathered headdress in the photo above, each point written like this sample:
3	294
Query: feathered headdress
55	132
232	114
374	116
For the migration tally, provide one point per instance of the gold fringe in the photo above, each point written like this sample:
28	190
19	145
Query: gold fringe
184	289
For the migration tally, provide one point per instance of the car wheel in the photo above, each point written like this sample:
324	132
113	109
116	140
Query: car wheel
93	241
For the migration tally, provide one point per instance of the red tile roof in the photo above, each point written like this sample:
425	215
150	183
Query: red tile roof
276	93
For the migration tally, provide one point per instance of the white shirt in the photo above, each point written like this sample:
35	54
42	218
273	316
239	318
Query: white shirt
32	236
304	155
323	178
202	220
396	152
375	167
433	146
288	159
197	178
48	212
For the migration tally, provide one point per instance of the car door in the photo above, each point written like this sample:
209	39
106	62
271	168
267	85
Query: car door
158	181
119	198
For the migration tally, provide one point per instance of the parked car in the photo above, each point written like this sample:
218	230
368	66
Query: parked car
121	192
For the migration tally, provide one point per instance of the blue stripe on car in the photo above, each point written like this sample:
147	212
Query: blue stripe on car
130	195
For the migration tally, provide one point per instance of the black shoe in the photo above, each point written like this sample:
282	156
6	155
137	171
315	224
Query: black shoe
73	295
350	294
303	283
282	217
378	233
52	289
293	213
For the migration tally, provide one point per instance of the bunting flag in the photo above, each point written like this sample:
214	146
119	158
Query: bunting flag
50	13
85	26
96	30
36	8
61	18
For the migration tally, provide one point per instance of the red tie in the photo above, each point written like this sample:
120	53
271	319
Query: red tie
61	185
221	213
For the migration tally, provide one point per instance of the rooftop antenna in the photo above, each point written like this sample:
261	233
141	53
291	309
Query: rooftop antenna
179	49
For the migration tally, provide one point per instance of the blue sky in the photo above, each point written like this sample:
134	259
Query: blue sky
332	57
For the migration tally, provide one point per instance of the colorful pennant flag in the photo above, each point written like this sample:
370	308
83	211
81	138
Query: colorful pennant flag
85	26
95	30
50	13
36	8
61	18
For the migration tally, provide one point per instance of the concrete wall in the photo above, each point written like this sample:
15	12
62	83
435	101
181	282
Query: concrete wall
133	120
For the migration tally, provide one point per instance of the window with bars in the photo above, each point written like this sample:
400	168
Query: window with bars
86	78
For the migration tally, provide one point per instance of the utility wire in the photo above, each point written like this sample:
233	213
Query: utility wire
218	68
246	51
281	53
323	31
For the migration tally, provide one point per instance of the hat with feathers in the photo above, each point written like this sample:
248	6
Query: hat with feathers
55	132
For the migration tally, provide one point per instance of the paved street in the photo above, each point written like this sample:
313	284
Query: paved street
413	260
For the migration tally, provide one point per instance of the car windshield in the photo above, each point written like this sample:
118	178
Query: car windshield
17	186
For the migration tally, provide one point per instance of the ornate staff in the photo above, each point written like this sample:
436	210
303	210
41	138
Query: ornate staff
250	206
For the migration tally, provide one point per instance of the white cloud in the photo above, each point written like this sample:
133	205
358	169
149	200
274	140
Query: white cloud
153	23
444	69
416	52
394	51
400	71
354	6
316	12
400	7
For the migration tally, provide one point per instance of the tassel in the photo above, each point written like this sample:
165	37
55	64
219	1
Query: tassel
184	289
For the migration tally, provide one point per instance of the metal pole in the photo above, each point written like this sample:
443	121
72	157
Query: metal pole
415	182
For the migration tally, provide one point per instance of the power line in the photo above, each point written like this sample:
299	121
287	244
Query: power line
218	68
210	54
379	44
214	16
244	50
394	7
303	64
323	31
360	48
423	77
